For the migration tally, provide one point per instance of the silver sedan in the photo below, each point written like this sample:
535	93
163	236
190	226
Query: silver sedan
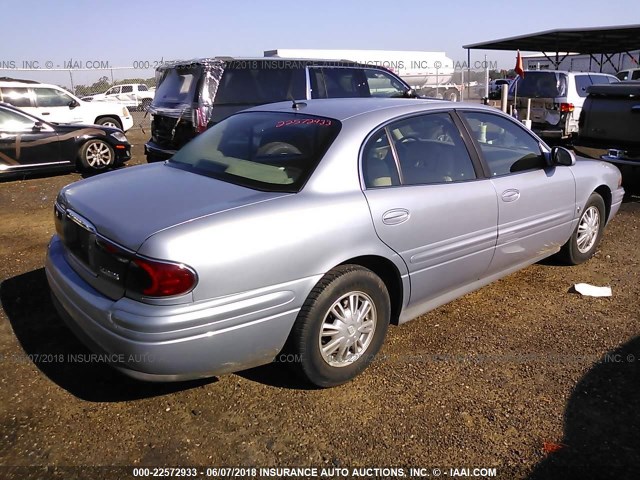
300	231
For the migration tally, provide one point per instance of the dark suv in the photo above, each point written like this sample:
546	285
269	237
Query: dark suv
193	95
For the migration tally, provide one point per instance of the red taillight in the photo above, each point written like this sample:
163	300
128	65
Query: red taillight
159	279
566	107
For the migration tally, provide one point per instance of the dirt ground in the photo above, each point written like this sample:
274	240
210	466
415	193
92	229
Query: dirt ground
496	379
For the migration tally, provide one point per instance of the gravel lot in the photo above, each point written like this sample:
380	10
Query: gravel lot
497	379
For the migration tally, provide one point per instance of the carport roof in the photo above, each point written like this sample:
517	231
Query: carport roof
622	38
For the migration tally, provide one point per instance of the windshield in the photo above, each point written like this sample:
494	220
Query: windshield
267	151
540	85
178	86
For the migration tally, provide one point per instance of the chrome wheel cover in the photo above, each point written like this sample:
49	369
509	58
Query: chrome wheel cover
588	229
98	155
347	329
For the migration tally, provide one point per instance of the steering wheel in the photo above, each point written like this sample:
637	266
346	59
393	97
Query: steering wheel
409	138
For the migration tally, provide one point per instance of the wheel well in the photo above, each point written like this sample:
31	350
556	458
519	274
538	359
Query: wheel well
115	117
389	274
605	193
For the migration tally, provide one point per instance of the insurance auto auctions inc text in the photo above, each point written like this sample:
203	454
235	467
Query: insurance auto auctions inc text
375	472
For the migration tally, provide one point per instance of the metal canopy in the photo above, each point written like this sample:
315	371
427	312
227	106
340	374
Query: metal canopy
598	40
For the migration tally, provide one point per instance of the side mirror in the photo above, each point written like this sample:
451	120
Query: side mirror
411	93
73	104
38	126
562	157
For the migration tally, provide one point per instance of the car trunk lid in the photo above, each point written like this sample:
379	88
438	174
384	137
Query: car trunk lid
104	220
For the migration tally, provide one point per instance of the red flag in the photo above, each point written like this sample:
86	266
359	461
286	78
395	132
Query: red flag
519	70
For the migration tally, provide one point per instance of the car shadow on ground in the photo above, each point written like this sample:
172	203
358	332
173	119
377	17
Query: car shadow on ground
278	375
53	348
601	422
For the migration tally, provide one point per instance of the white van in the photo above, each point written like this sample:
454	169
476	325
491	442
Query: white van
54	104
556	99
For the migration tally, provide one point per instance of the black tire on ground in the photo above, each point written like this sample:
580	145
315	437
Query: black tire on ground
586	237
109	122
96	155
343	321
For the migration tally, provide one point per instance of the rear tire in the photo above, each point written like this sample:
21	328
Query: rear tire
341	326
586	237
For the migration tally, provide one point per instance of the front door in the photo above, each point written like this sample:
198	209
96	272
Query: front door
428	204
536	202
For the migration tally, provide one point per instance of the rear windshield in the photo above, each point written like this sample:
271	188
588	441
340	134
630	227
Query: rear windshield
544	84
262	150
178	86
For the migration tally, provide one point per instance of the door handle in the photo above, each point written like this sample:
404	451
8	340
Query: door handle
45	113
510	195
395	216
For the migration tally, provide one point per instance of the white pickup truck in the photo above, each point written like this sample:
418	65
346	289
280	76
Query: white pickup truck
135	96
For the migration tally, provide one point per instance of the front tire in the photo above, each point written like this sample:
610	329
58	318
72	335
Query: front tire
109	122
97	155
341	326
586	237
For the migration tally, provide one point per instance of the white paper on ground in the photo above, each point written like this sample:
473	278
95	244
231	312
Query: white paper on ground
592	290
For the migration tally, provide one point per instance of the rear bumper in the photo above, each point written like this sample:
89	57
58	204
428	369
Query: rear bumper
175	342
127	123
552	133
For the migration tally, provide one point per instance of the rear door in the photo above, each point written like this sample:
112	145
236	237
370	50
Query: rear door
429	204
536	202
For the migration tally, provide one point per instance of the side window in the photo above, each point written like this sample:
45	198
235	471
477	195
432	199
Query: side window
623	75
635	75
506	146
599	79
430	150
582	82
142	88
256	86
50	97
18	97
378	164
338	82
127	89
14	122
381	84
113	91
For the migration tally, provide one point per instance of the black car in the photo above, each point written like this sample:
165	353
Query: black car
196	94
28	143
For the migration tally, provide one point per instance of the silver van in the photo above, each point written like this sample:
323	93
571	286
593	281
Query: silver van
556	99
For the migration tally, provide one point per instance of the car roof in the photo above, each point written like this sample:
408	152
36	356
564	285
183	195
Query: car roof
344	108
569	73
307	61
